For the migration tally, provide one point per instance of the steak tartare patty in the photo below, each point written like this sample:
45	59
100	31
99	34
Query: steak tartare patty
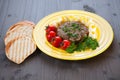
73	31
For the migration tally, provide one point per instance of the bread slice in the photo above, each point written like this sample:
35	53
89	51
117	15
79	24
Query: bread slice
22	28
17	32
19	42
18	49
20	24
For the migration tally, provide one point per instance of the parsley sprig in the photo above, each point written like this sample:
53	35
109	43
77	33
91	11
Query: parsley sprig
87	43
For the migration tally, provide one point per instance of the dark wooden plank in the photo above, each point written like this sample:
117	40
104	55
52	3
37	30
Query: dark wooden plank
42	67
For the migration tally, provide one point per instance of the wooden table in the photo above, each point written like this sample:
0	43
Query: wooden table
39	66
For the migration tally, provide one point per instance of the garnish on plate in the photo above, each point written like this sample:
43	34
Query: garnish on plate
87	43
71	36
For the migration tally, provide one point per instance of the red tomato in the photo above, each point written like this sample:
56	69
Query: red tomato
51	28
47	31
49	38
65	44
55	44
57	41
52	33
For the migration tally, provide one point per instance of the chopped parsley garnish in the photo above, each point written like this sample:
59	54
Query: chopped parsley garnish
69	34
71	48
75	26
65	29
87	43
75	35
72	35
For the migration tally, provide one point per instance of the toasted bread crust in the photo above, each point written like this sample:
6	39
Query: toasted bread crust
19	49
20	24
19	43
20	31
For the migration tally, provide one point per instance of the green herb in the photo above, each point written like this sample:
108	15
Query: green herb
69	34
74	35
65	29
79	28
75	26
81	46
91	43
71	48
87	43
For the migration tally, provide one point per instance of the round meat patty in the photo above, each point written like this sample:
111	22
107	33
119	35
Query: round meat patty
72	30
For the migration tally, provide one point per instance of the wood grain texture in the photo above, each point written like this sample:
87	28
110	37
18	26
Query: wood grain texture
42	67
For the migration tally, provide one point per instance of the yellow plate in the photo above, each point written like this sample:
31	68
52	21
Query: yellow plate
99	28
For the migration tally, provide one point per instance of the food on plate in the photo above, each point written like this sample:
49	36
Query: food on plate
72	30
19	43
71	36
